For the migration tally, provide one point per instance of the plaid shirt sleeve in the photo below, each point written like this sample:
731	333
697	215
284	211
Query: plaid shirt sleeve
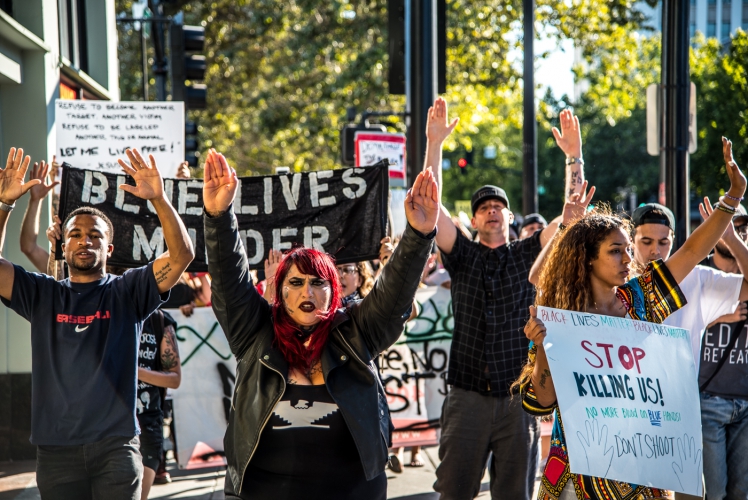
456	257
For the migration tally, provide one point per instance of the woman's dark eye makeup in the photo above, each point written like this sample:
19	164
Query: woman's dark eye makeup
300	282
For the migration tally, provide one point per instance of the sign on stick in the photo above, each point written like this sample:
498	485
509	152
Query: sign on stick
93	134
628	398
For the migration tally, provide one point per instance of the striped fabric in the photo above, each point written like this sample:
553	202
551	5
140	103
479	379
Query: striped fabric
652	297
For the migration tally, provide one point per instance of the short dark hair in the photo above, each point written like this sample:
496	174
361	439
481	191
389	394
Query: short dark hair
94	212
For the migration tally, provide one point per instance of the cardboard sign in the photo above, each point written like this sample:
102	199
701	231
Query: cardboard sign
628	398
93	134
203	400
414	370
371	147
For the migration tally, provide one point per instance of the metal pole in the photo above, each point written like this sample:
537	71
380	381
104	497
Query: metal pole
676	89
530	125
423	79
144	55
160	66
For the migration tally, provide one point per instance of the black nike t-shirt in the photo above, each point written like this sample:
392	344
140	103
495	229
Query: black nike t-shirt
149	353
84	352
306	451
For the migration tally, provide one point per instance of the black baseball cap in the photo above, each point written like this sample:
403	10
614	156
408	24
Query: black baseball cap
488	192
653	213
532	219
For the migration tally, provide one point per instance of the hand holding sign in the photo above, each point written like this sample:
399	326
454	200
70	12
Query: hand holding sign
12	185
688	467
148	182
422	203
219	188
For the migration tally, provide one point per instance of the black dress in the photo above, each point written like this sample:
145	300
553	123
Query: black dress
306	451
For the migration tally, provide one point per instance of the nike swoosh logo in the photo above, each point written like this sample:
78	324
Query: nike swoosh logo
79	329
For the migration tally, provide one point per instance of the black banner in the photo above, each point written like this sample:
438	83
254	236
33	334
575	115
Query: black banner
343	212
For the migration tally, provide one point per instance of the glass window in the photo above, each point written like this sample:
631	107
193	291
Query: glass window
72	25
744	22
725	32
7	7
711	30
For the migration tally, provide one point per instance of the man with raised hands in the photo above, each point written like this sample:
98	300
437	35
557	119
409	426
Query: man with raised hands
84	339
491	294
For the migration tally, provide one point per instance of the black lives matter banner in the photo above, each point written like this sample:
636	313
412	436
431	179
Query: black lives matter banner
342	212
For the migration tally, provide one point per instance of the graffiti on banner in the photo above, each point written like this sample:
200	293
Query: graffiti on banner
343	212
628	398
203	400
414	370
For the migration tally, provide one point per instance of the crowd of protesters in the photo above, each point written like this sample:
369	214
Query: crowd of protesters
307	338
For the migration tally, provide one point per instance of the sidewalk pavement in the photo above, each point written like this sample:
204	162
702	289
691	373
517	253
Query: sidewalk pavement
18	482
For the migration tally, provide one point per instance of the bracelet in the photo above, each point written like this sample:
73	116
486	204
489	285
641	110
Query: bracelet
725	204
733	198
721	205
570	160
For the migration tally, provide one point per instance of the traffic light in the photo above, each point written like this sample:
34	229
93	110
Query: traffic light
190	143
465	161
187	65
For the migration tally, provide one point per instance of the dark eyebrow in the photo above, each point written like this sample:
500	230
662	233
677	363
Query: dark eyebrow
616	244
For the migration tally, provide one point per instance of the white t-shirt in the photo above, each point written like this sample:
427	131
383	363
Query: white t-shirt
710	294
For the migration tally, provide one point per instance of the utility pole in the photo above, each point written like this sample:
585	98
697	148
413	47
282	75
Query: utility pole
529	126
675	101
160	64
422	84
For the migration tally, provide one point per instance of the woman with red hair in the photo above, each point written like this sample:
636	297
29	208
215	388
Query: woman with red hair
309	417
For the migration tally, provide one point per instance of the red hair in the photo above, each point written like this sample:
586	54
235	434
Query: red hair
315	263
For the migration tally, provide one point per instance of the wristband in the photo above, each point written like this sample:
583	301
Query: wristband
725	204
570	160
733	198
7	208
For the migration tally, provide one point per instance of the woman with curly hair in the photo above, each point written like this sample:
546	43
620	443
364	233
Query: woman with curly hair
587	270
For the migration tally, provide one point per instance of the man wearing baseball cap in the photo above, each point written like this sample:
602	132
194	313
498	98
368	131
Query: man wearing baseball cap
713	291
491	296
531	224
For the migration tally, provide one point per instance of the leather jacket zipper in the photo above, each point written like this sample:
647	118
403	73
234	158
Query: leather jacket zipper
262	427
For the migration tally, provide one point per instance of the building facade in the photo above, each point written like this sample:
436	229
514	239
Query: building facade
49	49
714	18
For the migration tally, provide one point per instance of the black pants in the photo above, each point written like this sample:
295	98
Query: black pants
110	469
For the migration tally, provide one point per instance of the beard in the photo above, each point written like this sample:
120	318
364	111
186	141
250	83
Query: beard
76	264
724	251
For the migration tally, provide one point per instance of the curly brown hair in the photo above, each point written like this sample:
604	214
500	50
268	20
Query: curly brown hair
564	281
366	273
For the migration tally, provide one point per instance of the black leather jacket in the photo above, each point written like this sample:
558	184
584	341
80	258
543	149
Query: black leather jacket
359	333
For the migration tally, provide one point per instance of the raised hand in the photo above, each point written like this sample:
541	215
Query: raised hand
706	209
54	232
39	191
148	182
271	264
183	171
12	185
576	206
438	127
569	139
737	179
422	202
220	184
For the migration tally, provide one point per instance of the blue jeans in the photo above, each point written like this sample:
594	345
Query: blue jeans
724	424
110	469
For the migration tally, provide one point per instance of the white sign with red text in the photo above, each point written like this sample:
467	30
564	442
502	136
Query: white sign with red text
628	397
371	147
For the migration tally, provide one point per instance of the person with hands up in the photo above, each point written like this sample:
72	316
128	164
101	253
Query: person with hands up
589	270
84	339
309	417
491	292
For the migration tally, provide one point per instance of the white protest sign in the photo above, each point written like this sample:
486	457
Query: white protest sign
203	400
371	147
93	134
414	370
628	398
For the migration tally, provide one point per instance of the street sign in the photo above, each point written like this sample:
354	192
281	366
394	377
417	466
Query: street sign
654	120
371	147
